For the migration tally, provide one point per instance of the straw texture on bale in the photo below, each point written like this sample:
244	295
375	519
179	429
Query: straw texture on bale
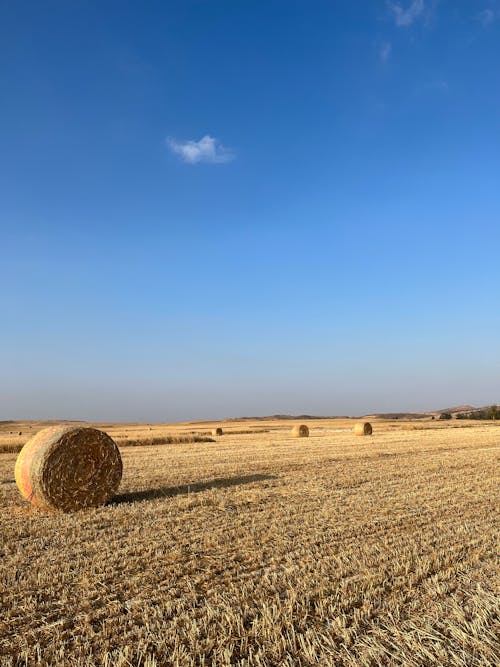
69	468
217	431
301	431
363	428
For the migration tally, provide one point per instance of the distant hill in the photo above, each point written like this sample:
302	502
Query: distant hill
467	411
283	417
454	411
462	410
459	408
399	415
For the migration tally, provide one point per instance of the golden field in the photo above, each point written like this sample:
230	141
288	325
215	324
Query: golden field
262	549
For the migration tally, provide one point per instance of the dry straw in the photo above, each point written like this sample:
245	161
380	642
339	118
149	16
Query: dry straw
217	431
363	428
69	468
301	431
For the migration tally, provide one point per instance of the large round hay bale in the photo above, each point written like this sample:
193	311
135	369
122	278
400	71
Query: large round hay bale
69	468
217	431
300	431
363	428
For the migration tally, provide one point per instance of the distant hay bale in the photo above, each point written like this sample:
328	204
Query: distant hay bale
301	431
217	431
363	428
69	468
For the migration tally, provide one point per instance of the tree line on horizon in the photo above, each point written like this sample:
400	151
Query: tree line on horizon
493	412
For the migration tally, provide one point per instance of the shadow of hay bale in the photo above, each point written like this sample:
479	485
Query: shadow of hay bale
171	491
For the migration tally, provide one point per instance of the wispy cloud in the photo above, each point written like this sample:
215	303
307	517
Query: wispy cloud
207	149
429	87
405	17
488	16
385	51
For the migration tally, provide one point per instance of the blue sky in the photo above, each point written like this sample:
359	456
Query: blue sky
218	208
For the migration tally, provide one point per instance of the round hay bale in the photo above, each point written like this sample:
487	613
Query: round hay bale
217	431
69	468
300	431
363	428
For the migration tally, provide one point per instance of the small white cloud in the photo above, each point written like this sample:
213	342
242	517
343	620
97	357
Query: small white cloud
207	149
487	17
405	17
385	51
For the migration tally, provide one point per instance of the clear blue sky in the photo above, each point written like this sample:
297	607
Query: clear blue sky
217	208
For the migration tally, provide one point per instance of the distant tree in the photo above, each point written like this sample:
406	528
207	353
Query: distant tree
445	415
493	412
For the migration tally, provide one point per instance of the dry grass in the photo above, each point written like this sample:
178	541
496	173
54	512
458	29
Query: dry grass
123	441
257	551
164	440
246	431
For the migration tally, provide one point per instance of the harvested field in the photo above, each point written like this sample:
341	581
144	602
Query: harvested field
256	550
164	440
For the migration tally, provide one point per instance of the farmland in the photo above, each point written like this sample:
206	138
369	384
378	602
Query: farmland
262	549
